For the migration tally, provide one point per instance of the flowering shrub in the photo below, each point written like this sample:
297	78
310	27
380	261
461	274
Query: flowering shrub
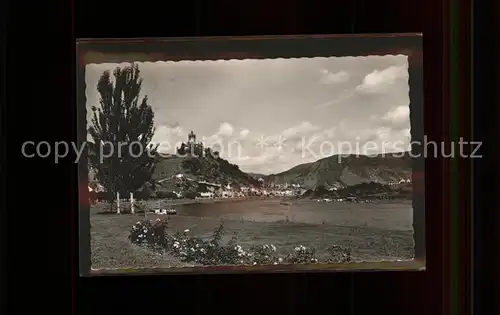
151	234
197	250
339	254
263	255
302	255
213	252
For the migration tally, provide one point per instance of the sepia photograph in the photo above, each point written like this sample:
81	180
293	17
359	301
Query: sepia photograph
249	162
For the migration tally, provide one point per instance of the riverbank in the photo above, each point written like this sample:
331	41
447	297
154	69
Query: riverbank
165	203
176	202
152	204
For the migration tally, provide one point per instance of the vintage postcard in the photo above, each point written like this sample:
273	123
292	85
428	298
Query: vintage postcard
239	154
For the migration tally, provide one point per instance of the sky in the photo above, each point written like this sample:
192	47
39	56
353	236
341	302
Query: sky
270	115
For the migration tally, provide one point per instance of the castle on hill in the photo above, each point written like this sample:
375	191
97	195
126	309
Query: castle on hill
194	148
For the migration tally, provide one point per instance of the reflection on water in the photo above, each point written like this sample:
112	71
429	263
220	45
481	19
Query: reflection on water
394	216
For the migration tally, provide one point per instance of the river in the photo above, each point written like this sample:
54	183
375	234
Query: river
386	216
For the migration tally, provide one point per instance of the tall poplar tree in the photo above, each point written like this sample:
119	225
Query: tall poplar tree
122	129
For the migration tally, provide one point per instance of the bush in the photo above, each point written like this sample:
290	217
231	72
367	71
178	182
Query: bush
150	233
213	252
264	255
302	255
207	252
339	254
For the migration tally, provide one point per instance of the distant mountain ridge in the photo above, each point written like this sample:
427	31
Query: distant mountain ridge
351	170
329	172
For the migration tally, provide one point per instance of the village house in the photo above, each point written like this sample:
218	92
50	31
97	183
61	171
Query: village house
178	194
244	189
207	195
405	181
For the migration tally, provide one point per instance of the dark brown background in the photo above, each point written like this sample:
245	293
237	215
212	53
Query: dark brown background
41	271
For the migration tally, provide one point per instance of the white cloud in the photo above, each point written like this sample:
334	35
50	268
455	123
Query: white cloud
247	160
169	131
279	149
333	78
222	138
244	133
304	127
378	81
398	118
270	160
213	140
168	137
225	130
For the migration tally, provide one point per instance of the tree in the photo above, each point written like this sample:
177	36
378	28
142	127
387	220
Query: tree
122	129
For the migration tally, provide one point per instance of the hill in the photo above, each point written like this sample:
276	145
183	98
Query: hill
351	170
363	191
190	174
206	168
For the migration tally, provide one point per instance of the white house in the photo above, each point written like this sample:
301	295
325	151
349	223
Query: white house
207	194
178	194
288	192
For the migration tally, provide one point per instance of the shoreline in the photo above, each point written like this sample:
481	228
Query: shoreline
283	199
178	202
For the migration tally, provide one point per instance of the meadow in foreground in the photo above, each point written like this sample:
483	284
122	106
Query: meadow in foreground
213	252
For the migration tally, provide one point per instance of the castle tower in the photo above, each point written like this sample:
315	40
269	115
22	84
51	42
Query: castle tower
192	137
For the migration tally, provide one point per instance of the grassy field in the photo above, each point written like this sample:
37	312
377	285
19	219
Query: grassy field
111	248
